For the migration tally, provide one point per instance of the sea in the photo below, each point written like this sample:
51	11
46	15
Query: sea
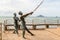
33	20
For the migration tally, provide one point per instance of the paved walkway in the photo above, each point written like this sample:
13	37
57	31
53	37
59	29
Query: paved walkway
47	34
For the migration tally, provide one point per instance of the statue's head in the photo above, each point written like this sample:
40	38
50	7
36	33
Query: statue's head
20	13
14	14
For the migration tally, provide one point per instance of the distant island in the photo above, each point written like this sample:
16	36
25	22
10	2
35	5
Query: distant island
40	16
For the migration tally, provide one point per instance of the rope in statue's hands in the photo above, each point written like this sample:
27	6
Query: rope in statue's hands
38	6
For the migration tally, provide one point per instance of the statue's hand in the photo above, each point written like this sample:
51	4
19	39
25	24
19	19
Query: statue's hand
31	13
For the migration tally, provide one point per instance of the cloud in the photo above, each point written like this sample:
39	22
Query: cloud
47	8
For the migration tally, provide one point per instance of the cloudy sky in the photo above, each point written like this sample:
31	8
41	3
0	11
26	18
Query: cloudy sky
48	8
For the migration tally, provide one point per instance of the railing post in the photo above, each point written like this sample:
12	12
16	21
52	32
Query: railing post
34	27
47	26
5	27
57	23
0	31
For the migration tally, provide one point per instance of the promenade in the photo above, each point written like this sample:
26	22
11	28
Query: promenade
46	34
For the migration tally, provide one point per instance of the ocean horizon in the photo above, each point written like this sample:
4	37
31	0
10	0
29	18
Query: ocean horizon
34	20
